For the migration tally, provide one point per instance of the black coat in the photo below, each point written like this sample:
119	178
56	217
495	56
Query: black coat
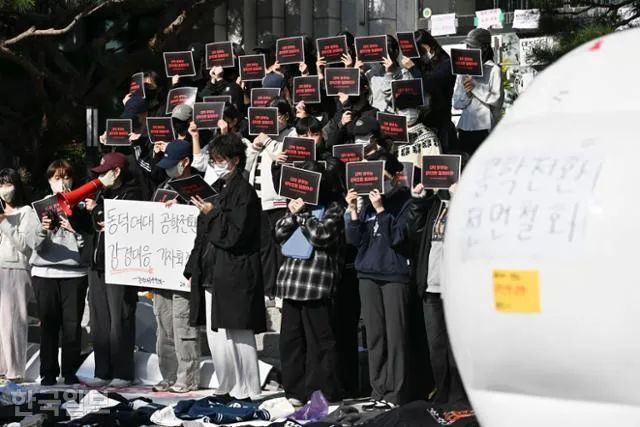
423	213
226	257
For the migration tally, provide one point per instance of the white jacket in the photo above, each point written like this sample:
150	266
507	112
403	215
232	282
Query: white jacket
268	193
482	109
16	238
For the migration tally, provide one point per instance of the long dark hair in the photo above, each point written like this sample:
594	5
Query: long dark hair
422	36
11	176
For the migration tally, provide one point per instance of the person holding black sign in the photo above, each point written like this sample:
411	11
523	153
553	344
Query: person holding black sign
59	268
306	282
479	98
426	227
434	68
383	267
223	82
112	307
261	153
225	272
178	343
17	221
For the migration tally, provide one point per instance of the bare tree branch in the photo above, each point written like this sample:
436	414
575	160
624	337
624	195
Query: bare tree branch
33	32
155	43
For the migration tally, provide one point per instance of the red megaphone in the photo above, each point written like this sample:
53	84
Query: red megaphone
67	201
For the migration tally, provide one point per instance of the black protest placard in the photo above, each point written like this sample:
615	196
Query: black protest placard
160	129
50	208
349	153
193	186
219	54
371	48
252	67
181	95
263	120
332	48
290	50
440	172
342	80
407	94
300	184
206	115
136	87
407	178
163	195
260	97
408	46
299	149
394	126
218	98
466	62
179	64
118	132
306	89
364	177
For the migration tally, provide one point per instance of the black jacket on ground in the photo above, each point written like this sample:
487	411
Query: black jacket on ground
226	258
420	221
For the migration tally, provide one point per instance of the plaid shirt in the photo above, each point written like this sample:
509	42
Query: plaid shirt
314	278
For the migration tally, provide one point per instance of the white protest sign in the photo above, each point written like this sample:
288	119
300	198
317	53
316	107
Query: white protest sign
148	244
526	19
490	18
443	25
529	205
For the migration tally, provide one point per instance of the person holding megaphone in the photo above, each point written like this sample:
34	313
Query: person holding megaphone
59	266
112	307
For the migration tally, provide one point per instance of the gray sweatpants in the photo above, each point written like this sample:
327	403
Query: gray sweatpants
384	310
15	291
178	344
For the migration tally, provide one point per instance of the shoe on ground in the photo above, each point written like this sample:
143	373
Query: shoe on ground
162	386
295	402
98	382
181	389
119	383
71	380
49	381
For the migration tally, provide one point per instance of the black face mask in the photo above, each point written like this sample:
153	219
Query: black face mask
444	195
150	93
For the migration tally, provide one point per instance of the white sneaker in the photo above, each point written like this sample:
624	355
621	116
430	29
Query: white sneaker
97	382
119	383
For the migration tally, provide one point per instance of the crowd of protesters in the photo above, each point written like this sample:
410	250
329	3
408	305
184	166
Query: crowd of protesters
376	257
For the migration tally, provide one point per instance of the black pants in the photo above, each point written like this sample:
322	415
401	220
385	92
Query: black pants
346	318
445	371
308	350
60	307
470	141
113	327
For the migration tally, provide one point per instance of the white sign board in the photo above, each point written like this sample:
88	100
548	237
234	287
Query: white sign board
526	19
489	18
443	25
148	244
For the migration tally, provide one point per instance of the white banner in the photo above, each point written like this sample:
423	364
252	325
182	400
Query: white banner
526	19
148	244
489	18
443	25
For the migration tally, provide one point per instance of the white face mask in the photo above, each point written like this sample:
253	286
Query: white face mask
221	169
60	185
412	115
363	139
175	171
8	193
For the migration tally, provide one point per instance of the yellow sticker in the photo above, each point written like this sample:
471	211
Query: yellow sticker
516	291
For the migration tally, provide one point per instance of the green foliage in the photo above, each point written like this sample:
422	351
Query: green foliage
17	5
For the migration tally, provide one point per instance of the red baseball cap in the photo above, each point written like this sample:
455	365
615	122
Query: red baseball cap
111	161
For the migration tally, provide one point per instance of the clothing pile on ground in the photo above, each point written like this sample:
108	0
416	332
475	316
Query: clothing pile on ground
20	406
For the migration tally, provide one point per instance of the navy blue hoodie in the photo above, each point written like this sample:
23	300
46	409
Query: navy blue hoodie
376	235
